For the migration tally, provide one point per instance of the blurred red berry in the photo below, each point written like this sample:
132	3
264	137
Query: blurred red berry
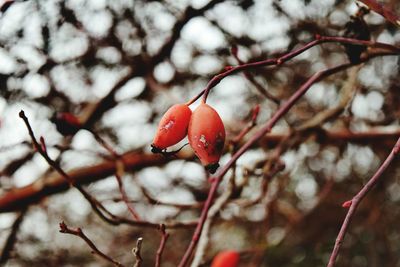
227	258
66	123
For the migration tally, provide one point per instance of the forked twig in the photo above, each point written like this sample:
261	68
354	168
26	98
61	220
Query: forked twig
136	251
261	132
78	232
164	237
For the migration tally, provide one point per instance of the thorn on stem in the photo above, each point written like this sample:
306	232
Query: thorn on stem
43	144
256	111
347	204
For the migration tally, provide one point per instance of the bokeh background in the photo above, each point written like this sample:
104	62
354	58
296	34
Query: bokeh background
119	64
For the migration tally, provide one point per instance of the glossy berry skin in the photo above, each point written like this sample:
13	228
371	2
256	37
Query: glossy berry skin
172	127
228	258
207	136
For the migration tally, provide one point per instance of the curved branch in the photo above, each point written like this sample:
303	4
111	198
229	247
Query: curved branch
258	135
19	198
358	198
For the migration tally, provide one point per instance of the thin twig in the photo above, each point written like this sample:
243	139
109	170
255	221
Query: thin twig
120	169
254	114
347	92
383	10
119	172
12	237
78	232
18	198
358	198
251	79
258	135
164	237
104	144
214	209
136	252
280	60
98	208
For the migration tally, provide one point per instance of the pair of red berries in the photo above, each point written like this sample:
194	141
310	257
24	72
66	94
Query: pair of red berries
204	127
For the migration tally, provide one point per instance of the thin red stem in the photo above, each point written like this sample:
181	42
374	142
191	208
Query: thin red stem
278	61
164	238
358	198
78	232
94	203
260	133
265	129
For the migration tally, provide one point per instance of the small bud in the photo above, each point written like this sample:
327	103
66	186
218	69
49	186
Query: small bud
43	144
256	110
347	204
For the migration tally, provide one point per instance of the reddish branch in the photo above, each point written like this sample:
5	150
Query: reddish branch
325	136
383	10
55	183
119	172
118	175
358	198
259	134
392	50
12	237
164	237
250	77
280	60
19	198
97	207
78	232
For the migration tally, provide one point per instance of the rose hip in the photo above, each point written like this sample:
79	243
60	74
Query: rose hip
172	127
206	135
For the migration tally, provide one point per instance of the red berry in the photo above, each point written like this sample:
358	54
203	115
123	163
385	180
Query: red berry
207	136
66	123
69	118
227	258
172	127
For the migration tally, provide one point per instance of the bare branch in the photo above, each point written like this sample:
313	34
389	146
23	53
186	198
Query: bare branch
383	10
118	174
78	232
136	252
164	237
97	207
390	49
258	135
12	237
358	198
